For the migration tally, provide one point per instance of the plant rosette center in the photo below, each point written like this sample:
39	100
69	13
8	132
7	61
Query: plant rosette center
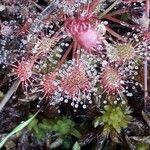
111	80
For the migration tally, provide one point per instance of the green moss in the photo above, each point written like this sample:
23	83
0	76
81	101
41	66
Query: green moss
62	126
66	126
1	95
67	143
142	146
114	118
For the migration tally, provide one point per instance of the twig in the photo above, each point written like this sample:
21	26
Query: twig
64	57
108	9
145	139
49	9
146	118
9	94
146	62
56	143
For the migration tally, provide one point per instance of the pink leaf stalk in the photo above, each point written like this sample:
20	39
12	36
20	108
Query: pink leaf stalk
93	5
146	61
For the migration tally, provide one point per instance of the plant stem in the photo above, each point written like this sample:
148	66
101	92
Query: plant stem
64	57
50	8
93	5
108	9
119	37
9	94
119	12
146	62
109	17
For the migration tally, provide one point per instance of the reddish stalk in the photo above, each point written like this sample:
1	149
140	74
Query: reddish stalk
93	5
78	52
64	57
119	21
119	12
146	62
74	49
115	34
38	6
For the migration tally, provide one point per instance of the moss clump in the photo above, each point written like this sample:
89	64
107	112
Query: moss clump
142	146
66	126
63	126
114	118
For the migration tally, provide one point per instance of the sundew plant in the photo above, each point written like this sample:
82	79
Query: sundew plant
87	61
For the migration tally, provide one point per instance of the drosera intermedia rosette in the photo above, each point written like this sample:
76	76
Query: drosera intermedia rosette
115	81
131	51
24	72
77	84
46	87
